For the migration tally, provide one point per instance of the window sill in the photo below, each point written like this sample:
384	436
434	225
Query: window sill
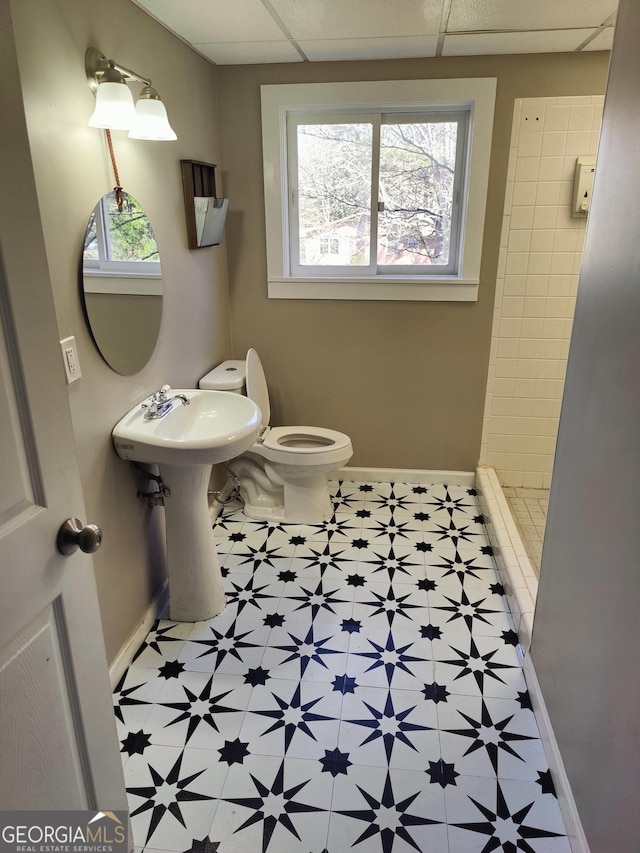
398	289
121	272
122	284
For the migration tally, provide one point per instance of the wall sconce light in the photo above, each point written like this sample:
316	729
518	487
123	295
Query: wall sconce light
115	109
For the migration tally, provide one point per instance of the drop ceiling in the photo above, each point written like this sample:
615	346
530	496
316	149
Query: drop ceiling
246	32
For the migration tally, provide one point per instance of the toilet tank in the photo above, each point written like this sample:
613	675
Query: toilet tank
228	376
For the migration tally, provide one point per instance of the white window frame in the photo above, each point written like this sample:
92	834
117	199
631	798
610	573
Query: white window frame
402	96
103	265
377	120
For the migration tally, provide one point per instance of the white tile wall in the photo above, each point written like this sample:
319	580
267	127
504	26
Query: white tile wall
540	256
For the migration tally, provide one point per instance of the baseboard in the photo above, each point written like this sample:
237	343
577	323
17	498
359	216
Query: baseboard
567	804
124	657
406	475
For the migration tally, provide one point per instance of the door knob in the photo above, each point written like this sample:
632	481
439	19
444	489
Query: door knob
72	535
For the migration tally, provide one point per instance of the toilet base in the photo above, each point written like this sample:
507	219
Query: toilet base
303	500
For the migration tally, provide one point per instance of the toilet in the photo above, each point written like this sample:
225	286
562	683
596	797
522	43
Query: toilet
284	475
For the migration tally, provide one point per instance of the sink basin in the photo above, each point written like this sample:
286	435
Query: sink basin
214	427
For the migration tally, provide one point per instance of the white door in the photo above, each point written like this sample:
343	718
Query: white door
58	746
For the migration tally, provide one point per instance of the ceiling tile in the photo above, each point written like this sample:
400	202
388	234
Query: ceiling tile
337	19
498	43
256	31
603	41
323	50
249	53
222	21
528	14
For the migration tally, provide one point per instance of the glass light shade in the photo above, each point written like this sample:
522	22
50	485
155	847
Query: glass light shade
151	121
114	107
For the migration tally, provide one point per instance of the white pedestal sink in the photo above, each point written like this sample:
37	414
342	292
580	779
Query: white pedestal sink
214	427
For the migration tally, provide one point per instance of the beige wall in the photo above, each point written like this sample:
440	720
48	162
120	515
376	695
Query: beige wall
405	380
72	171
540	256
586	631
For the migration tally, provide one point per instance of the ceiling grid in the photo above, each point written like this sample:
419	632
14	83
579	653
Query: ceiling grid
246	32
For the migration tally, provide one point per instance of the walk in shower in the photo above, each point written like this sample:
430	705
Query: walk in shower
540	257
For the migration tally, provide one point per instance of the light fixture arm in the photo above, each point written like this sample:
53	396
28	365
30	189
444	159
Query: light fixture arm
115	109
127	72
97	66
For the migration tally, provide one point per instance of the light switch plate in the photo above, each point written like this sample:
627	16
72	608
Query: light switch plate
70	359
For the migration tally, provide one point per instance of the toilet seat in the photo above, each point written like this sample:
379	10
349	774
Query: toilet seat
291	445
304	439
304	446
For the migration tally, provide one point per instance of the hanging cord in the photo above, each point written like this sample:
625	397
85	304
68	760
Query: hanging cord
235	491
117	189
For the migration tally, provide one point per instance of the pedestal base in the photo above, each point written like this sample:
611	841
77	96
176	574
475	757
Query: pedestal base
196	590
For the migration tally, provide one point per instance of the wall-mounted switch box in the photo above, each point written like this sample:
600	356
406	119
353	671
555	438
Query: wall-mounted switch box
70	359
583	186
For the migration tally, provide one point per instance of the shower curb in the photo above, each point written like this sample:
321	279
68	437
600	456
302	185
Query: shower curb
516	572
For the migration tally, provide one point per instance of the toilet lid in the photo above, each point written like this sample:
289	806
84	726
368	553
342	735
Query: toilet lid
257	386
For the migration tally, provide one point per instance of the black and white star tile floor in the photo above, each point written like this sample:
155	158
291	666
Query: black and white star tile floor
361	691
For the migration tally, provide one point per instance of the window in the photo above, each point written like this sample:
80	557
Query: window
120	241
388	188
376	190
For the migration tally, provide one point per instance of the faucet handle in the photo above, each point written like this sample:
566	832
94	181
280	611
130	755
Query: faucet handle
161	395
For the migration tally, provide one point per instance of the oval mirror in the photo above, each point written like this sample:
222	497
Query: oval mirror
122	283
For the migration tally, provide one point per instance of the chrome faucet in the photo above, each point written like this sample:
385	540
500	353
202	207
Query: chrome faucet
161	404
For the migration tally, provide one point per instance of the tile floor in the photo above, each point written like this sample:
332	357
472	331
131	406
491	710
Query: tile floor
529	509
361	691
